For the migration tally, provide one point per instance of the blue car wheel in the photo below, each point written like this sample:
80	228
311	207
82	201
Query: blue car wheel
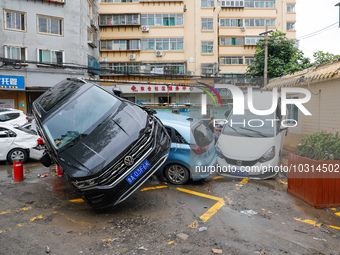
177	174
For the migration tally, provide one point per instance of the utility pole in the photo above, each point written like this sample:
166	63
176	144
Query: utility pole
265	73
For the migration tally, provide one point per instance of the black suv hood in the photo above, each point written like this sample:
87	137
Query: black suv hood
116	134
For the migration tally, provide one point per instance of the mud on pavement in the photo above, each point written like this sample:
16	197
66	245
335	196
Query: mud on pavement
217	215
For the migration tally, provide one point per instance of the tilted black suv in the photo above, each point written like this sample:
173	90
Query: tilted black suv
106	146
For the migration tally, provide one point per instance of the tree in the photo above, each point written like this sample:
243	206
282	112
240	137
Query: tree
283	57
321	57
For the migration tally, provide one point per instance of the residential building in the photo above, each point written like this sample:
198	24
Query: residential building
323	83
240	24
43	42
173	38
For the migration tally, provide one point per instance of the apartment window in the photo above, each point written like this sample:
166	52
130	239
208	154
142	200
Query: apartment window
259	22
15	20
50	25
207	69
259	4
13	52
234	3
162	19
89	35
248	60
162	44
290	7
120	45
231	41
119	19
167	68
231	22
90	10
120	68
120	1
207	3
252	40
290	26
231	60
92	63
207	24
207	47
51	56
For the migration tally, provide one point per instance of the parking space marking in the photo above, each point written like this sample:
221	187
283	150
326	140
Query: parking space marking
312	222
21	209
151	188
19	225
78	200
283	182
337	214
208	214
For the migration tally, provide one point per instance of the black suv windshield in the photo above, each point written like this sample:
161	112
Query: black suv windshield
79	117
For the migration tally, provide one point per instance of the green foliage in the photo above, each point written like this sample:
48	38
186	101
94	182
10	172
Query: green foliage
320	146
321	57
283	57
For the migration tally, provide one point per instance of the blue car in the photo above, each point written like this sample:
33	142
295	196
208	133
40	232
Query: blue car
192	149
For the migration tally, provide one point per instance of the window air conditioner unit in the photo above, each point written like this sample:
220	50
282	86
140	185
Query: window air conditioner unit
132	56
191	73
243	29
159	53
145	28
92	22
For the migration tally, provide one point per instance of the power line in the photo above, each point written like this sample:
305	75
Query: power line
314	33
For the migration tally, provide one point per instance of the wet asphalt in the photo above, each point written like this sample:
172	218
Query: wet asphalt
213	216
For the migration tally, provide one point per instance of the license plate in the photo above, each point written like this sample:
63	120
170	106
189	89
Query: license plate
138	172
238	172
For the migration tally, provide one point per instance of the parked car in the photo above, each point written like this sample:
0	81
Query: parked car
105	145
12	116
29	127
16	143
192	149
251	146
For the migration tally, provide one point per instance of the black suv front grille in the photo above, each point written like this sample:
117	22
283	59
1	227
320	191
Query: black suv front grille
138	152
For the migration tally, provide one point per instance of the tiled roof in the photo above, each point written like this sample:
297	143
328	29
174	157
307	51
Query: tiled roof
313	74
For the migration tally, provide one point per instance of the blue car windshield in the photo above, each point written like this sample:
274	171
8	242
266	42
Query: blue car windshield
79	117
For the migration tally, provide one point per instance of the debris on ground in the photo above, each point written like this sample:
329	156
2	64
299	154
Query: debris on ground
202	228
249	212
42	175
48	249
315	238
217	251
182	236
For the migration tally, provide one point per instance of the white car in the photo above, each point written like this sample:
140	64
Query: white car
250	145
12	116
18	143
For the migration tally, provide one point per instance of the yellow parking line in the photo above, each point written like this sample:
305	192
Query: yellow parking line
38	217
151	188
78	200
199	194
337	214
207	215
283	182
311	222
21	209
